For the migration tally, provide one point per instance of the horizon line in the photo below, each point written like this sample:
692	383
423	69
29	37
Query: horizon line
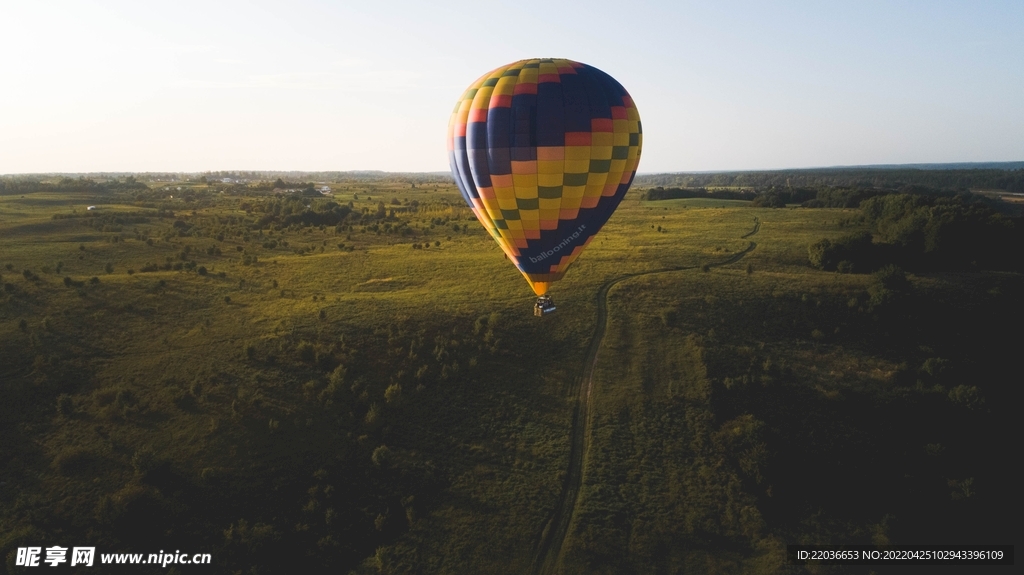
1016	164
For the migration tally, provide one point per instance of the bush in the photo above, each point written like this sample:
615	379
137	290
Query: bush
967	396
337	377
306	352
381	457
854	251
393	394
372	415
889	288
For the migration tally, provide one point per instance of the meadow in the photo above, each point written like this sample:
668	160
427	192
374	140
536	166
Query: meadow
356	383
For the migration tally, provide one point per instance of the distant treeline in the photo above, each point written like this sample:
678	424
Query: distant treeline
774	197
925	231
809	197
660	193
866	178
300	211
13	186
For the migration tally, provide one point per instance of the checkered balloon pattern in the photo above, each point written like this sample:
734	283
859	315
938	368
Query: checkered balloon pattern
543	151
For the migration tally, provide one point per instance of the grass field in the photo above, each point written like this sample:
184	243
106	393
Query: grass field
177	373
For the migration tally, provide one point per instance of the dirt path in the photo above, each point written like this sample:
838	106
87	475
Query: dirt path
549	547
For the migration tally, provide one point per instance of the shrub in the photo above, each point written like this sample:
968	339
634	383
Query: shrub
306	352
381	457
890	287
850	251
967	396
393	394
372	415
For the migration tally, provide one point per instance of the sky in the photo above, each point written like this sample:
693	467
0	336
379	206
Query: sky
94	86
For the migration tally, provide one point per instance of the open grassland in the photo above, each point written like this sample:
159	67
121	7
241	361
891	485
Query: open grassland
372	394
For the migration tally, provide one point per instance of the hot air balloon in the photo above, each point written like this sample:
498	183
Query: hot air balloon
543	151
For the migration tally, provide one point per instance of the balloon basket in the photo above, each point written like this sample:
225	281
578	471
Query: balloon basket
544	306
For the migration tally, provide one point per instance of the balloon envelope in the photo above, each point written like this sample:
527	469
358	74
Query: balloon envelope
543	151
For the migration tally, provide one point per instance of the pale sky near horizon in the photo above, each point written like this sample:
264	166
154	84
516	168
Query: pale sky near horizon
91	86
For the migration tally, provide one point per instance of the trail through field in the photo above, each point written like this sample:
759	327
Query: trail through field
549	547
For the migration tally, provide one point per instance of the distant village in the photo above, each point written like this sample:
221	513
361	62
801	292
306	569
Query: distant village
324	190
